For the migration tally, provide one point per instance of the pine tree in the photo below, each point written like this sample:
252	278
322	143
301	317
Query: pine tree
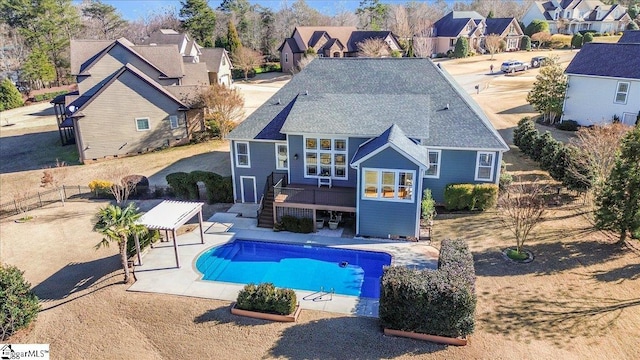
547	95
525	43
199	20
233	40
618	202
38	67
10	97
462	48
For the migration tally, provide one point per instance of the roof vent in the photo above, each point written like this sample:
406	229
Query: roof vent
278	102
446	107
306	92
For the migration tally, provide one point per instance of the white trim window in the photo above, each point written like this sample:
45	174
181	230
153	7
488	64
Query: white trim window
388	185
173	120
282	157
325	156
434	164
243	159
622	92
143	124
484	166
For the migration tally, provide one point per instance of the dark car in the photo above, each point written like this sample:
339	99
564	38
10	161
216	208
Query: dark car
539	61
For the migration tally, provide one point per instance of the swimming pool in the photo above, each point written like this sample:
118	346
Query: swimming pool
296	266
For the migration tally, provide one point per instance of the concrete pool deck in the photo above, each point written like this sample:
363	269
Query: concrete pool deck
158	272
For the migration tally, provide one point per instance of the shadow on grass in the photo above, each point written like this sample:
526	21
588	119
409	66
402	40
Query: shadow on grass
223	315
34	151
555	317
218	162
522	109
627	272
337	338
550	258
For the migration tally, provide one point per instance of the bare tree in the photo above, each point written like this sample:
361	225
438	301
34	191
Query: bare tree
345	18
521	207
246	59
54	176
116	176
492	44
541	38
373	47
223	108
422	16
399	22
424	47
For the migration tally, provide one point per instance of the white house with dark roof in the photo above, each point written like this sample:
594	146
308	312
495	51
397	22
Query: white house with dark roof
603	82
363	137
572	16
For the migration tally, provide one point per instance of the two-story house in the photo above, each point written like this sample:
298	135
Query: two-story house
475	28
603	83
328	41
572	16
363	137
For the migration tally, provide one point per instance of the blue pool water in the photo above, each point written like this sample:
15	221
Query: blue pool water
302	267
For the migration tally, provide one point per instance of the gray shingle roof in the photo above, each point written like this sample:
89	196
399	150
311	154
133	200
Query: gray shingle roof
212	57
364	96
630	37
396	137
609	60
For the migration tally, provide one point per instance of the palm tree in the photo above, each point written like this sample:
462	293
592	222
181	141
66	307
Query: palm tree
117	224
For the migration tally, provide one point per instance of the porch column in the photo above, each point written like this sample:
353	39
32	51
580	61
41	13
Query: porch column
175	247
138	249
201	231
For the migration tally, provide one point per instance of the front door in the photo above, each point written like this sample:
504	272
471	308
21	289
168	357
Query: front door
248	189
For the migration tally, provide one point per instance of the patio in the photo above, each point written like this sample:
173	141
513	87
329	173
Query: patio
158	273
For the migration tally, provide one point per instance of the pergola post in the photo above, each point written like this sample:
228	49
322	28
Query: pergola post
138	249
201	231
175	247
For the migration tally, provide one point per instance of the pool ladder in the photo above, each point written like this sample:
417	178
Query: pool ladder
318	295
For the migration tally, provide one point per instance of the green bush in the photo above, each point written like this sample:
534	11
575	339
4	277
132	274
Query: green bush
48	96
578	176
10	97
458	196
440	302
182	185
525	44
266	298
462	48
587	38
505	177
576	41
428	205
524	126
145	240
18	305
550	148
568	125
484	196
185	185
296	225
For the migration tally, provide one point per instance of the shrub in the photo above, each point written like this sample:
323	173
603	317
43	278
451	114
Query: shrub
266	298
462	48
458	196
568	125
440	302
145	240
48	96
428	205
505	177
528	138
576	41
182	185
139	184
10	97
577	176
100	187
484	196
294	224
525	44
518	131
18	305
548	152
587	38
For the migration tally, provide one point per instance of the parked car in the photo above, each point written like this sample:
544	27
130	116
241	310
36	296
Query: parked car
511	66
539	61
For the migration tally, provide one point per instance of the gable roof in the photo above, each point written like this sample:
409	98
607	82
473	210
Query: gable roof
497	25
213	57
392	137
630	37
341	33
362	97
454	22
85	99
292	44
360	36
167	58
609	60
85	51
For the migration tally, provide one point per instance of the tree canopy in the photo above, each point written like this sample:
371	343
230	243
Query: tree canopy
547	95
10	97
199	20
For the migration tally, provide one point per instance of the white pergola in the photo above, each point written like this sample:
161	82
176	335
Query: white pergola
170	215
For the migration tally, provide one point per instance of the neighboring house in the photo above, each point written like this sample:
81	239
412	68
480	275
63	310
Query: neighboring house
475	28
364	137
572	16
328	41
126	103
630	37
603	82
217	60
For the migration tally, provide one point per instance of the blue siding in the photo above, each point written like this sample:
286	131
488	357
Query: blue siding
384	218
263	162
296	167
456	166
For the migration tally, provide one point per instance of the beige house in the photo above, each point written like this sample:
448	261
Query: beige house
475	28
218	65
328	41
572	16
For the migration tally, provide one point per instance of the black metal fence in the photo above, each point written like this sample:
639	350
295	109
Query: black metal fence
22	204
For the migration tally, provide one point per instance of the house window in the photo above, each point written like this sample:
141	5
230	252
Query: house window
336	54
286	57
622	92
326	157
282	157
452	42
242	154
388	184
484	166
224	61
173	119
434	164
142	124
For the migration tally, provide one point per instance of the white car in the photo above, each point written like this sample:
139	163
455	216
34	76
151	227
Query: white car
511	66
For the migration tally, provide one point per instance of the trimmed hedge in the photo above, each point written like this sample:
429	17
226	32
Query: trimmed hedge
470	196
19	306
48	96
185	185
267	299
145	240
294	224
440	302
